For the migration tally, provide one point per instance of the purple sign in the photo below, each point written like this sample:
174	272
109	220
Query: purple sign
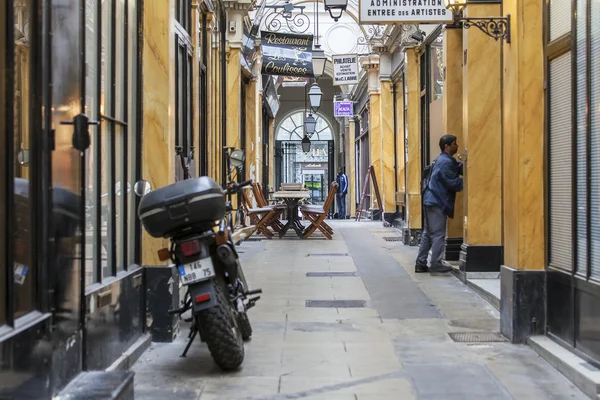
343	109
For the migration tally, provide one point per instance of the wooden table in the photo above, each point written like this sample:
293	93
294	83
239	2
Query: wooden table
291	199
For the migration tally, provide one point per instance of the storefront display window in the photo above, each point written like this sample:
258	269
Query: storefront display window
111	59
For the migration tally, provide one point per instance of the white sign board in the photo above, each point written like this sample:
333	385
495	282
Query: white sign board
403	11
345	69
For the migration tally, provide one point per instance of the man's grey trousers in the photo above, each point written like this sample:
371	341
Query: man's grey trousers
433	237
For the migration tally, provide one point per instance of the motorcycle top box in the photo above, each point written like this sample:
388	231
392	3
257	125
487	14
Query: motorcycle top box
192	204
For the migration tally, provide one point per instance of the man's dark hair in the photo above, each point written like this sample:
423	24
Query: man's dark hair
446	140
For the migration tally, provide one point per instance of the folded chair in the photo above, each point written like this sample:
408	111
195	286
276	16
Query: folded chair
275	223
316	215
260	217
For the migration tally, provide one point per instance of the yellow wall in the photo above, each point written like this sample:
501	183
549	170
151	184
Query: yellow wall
387	181
523	122
414	140
482	133
158	134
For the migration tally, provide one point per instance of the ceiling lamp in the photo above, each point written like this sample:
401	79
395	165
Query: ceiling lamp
335	8
318	61
305	144
314	96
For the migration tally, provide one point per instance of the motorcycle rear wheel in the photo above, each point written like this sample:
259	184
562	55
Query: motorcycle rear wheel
244	324
219	328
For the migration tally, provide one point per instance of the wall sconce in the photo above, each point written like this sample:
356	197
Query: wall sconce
495	27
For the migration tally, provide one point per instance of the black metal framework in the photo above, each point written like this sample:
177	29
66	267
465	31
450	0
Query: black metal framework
572	295
203	103
280	18
494	27
183	14
184	132
111	142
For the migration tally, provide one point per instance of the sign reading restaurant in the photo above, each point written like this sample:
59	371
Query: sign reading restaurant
404	11
287	54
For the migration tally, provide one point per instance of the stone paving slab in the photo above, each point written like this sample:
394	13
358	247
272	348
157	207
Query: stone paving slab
396	347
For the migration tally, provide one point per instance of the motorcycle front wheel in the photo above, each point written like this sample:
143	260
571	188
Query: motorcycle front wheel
219	328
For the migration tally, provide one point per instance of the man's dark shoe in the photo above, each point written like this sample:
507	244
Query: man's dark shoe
442	269
419	268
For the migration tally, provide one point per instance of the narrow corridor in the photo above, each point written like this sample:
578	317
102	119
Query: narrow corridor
349	319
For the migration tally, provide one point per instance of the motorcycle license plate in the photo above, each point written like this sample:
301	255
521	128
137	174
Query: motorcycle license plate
196	271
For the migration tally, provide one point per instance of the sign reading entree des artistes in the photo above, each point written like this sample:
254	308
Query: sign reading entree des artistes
407	11
287	54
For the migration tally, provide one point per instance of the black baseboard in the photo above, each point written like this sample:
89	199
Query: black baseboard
389	217
453	247
475	258
114	385
162	294
375	214
522	303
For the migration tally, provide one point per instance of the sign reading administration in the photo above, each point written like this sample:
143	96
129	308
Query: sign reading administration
404	11
287	54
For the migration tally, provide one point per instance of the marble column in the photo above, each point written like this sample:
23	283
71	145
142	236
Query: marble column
481	252
388	180
351	166
453	124
158	156
523	275
371	65
413	222
250	150
400	144
234	82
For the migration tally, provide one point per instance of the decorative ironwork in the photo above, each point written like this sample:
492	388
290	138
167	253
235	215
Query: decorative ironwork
280	18
377	36
495	27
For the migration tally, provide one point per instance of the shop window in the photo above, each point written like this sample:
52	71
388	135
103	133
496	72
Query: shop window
203	102
560	162
111	94
18	293
183	14
184	138
436	62
594	134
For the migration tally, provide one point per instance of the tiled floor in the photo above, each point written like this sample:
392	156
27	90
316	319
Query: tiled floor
396	347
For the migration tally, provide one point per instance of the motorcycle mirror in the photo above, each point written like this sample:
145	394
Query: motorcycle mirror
236	158
23	157
118	188
142	187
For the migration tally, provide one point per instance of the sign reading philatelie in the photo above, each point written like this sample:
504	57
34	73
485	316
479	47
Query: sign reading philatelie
345	69
287	54
404	11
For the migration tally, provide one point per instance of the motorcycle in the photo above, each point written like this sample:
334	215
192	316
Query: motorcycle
187	212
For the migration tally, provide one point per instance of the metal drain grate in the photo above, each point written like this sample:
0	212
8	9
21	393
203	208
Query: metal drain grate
253	240
393	239
336	303
327	255
329	274
477	337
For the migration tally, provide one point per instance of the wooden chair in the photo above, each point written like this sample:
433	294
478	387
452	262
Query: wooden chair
260	217
275	223
316	215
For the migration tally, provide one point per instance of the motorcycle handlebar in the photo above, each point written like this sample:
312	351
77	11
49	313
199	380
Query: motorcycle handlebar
234	187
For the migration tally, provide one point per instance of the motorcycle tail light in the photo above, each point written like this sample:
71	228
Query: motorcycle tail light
202	297
190	248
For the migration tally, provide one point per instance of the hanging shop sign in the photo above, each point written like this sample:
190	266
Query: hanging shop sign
345	69
287	54
343	109
293	81
403	11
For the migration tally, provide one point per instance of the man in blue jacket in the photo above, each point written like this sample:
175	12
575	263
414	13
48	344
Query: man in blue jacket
342	181
438	202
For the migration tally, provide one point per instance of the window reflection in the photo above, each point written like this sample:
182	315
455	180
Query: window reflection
3	137
24	274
